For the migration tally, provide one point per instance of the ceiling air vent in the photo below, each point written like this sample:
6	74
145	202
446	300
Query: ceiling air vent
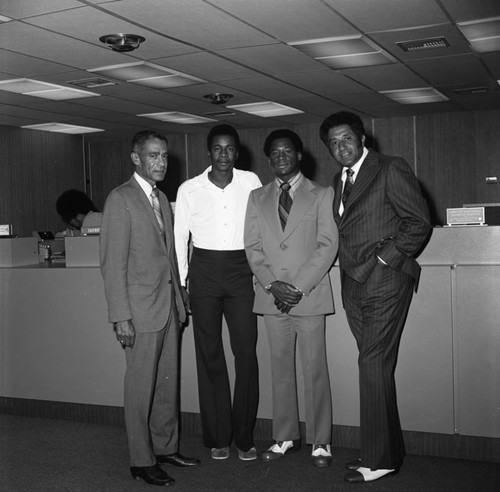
219	114
471	90
92	83
424	44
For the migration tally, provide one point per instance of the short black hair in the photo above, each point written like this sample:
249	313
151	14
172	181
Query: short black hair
283	133
339	119
222	130
74	202
140	138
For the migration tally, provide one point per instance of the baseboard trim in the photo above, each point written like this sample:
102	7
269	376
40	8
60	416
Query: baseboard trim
417	443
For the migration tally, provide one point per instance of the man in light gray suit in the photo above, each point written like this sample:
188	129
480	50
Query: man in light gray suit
145	305
291	242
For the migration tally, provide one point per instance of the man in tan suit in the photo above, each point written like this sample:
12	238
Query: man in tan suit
145	305
291	242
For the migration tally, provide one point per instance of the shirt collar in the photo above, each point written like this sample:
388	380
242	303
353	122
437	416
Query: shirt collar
146	187
356	167
294	182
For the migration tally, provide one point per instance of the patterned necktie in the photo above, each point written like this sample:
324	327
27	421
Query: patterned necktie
349	182
157	209
285	204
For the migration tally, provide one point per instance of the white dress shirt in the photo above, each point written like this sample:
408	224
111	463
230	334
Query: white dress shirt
215	217
146	187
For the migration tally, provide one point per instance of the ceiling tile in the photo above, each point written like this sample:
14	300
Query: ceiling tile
194	22
382	15
289	20
385	77
465	10
466	69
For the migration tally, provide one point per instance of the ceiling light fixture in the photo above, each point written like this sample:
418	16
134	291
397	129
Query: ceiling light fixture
267	109
218	98
148	74
36	88
345	51
418	95
177	117
122	42
63	128
483	34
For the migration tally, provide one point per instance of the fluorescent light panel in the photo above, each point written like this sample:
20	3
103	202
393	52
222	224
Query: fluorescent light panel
177	117
345	51
267	109
483	34
31	87
415	96
148	74
63	128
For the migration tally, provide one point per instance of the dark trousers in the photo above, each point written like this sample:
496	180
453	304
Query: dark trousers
376	312
220	284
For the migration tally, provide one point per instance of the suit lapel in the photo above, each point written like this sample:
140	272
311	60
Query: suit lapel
367	173
302	200
147	208
270	205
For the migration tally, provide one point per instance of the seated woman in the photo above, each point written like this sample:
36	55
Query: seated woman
77	210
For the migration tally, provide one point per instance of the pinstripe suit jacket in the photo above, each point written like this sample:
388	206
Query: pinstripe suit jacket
386	216
139	268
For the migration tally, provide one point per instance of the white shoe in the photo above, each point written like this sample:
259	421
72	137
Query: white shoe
363	474
321	455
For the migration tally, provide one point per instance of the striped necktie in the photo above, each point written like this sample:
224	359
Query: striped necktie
157	209
285	204
349	182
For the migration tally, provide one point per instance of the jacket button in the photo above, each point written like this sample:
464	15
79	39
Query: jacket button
169	281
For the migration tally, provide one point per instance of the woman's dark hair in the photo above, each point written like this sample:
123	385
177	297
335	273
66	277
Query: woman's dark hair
74	202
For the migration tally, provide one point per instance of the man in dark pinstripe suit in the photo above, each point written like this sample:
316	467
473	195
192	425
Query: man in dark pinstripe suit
383	223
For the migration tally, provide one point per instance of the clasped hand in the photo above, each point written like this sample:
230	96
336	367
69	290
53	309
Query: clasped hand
286	296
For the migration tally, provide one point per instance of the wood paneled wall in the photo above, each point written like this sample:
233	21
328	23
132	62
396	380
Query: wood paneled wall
451	154
35	168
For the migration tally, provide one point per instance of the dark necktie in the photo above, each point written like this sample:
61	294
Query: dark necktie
157	210
285	204
349	182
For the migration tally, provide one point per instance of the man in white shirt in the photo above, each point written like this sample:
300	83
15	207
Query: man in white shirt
211	207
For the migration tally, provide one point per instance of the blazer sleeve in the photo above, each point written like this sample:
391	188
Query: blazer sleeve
258	260
321	260
113	250
405	196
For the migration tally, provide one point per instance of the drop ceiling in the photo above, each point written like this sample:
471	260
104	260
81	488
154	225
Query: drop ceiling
245	48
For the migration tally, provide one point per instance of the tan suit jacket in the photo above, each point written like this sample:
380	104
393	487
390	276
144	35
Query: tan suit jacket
139	268
301	255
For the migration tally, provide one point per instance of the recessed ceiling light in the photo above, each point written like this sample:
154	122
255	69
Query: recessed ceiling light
345	51
267	109
31	87
418	95
177	117
483	34
63	128
148	74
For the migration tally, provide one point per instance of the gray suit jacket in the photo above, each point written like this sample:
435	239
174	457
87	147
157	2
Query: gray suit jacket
139	268
301	255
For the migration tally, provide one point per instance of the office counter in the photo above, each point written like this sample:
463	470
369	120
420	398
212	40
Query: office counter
56	343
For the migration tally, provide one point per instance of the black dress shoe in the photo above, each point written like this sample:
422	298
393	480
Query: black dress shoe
177	459
358	477
353	465
153	475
